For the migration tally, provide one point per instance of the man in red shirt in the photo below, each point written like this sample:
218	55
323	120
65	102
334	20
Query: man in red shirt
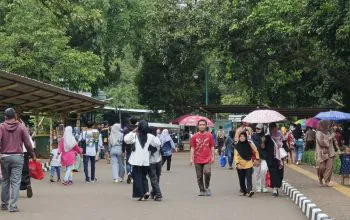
202	156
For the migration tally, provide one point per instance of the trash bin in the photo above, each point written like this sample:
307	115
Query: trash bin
42	146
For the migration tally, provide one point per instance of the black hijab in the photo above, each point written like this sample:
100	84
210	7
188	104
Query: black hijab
298	132
243	148
143	130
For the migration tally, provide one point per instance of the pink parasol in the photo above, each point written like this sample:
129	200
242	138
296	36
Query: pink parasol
264	117
192	120
177	120
312	122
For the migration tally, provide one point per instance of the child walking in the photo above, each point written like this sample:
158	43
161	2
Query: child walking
345	165
55	163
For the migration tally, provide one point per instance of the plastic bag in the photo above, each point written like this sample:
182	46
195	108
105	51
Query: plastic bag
36	170
223	160
268	179
77	164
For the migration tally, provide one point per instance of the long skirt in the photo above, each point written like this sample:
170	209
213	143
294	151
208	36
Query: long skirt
276	174
140	185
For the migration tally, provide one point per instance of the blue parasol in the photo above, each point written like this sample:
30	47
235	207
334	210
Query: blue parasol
333	116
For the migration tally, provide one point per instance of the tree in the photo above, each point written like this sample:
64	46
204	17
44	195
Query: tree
34	44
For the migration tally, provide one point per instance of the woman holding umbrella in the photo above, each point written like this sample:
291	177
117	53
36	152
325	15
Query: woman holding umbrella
325	152
273	143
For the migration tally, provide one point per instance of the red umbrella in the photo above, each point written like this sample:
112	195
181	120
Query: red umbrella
312	122
177	120
192	120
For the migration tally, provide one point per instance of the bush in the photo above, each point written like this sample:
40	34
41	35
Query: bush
309	158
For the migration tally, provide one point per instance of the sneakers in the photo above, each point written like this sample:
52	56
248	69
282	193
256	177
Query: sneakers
258	191
128	181
264	190
158	199
14	210
201	193
4	207
207	192
29	192
146	196
251	193
116	181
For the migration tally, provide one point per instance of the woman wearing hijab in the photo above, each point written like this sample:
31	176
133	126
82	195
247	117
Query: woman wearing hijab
325	152
139	158
167	146
68	147
116	154
246	156
273	143
229	148
299	143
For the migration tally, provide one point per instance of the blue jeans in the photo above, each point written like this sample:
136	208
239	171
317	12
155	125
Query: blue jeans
117	161
58	171
86	167
229	154
11	168
299	150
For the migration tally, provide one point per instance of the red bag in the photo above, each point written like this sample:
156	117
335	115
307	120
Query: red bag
268	179
36	170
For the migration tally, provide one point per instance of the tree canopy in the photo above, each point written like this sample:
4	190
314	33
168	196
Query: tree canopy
155	53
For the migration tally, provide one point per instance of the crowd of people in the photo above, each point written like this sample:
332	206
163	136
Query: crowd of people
140	151
264	149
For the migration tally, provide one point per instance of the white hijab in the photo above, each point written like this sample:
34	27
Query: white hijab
116	136
69	139
165	137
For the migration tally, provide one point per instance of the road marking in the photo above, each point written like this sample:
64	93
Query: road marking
340	188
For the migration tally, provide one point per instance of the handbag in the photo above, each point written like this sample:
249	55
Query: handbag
283	153
285	146
36	170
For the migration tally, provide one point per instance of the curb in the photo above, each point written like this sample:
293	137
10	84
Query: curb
309	208
46	166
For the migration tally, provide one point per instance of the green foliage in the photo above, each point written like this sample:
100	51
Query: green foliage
310	158
146	53
34	44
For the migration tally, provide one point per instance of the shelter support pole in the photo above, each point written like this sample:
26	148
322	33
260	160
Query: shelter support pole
36	124
78	120
51	133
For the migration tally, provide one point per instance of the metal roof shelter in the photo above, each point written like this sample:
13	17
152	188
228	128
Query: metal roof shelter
245	109
29	95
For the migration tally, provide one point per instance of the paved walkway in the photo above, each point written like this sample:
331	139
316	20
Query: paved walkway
105	200
333	201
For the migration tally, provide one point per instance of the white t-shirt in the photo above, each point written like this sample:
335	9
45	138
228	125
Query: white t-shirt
140	157
92	141
56	160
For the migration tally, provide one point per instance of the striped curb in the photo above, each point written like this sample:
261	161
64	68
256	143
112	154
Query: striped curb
309	208
46	166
